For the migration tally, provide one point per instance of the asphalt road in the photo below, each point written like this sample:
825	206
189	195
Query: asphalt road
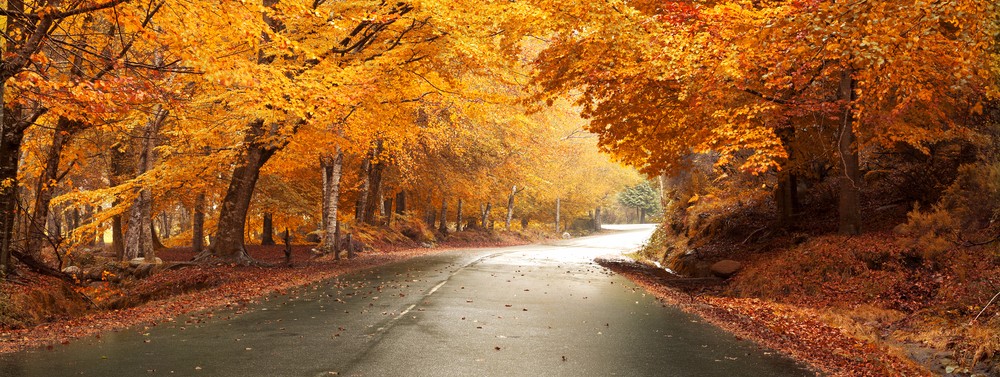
539	310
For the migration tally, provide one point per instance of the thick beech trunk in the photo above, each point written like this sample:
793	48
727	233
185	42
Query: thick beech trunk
786	192
332	168
139	235
14	124
850	183
198	224
10	152
597	219
267	234
510	208
229	244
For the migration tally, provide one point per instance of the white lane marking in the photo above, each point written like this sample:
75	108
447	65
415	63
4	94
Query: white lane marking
436	287
401	314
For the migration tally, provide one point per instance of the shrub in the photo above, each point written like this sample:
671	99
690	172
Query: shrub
968	206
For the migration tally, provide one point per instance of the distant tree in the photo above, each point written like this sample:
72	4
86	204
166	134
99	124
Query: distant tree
643	197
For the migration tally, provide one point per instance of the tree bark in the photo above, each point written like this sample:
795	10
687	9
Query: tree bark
443	227
155	238
597	219
401	203
786	193
139	235
267	234
45	185
850	183
486	215
510	208
374	186
458	216
359	206
198	224
10	153
387	211
167	224
332	166
229	244
121	166
558	214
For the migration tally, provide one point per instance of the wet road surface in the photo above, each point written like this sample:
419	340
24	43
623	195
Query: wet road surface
538	310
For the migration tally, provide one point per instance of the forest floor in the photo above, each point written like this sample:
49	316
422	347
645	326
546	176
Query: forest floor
172	293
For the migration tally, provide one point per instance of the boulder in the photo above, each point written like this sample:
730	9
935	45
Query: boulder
71	270
566	235
725	268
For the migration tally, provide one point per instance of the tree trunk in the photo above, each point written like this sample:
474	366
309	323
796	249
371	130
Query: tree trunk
458	216
359	207
374	192
401	203
850	183
332	166
198	225
267	234
229	243
75	224
443	227
139	235
597	219
121	166
46	183
558	209
486	215
387	211
510	208
167	224
325	167
785	194
642	215
11	137
155	238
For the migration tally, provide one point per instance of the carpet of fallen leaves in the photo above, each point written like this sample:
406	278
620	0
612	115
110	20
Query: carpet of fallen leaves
176	292
794	331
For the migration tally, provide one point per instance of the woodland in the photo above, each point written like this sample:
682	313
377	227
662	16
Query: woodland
844	153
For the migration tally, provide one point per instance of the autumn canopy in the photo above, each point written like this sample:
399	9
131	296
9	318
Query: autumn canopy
186	122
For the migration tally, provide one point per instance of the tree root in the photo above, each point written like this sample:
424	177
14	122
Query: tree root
242	258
